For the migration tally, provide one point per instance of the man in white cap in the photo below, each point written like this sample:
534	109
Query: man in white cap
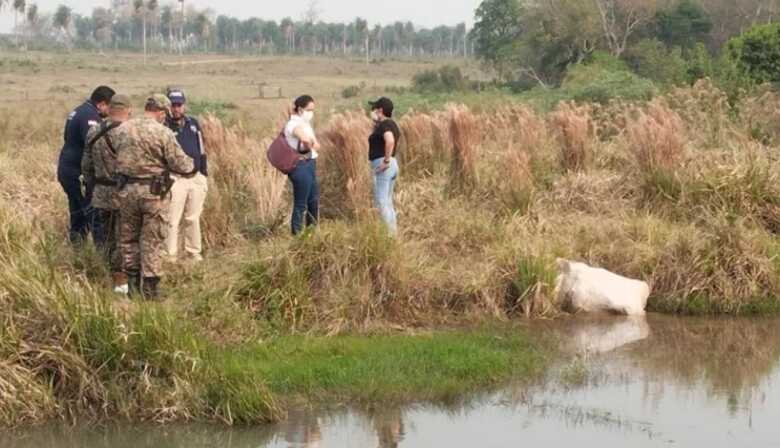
189	191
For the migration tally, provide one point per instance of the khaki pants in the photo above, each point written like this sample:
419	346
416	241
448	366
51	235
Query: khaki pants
187	198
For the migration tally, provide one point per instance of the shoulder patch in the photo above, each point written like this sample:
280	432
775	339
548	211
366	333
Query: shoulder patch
92	123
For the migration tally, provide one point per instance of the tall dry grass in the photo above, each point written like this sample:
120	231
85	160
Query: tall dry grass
464	133
423	150
573	127
247	194
345	170
657	138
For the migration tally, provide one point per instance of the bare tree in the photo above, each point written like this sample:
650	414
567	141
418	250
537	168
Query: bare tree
620	19
312	13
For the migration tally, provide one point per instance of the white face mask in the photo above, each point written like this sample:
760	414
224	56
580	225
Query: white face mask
308	115
374	115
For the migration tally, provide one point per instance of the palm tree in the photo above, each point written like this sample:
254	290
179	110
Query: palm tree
151	12
62	20
361	28
202	26
144	10
166	21
19	6
32	18
181	29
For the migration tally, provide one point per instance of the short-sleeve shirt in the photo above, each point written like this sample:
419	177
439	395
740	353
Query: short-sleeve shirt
376	142
188	134
289	134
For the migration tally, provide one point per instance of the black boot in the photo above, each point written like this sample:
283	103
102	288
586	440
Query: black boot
151	288
133	284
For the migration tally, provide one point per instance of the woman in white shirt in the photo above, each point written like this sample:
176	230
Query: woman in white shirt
306	191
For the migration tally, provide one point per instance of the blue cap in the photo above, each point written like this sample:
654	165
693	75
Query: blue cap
177	97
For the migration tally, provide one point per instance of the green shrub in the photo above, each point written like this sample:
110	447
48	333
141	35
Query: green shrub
756	53
353	91
604	78
220	109
446	79
650	59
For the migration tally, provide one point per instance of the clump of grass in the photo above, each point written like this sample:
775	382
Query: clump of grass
351	274
657	138
464	133
422	148
572	125
532	287
387	369
345	155
25	399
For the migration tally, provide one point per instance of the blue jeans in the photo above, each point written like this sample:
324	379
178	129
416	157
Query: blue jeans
78	202
384	185
306	195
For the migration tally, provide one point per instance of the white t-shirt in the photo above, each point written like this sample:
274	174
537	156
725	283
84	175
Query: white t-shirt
289	133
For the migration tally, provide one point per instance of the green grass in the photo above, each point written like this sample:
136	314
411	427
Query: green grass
438	367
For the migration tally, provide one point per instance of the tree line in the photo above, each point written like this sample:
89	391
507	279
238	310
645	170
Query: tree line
537	41
177	27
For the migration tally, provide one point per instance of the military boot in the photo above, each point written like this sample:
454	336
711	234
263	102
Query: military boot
133	284
151	288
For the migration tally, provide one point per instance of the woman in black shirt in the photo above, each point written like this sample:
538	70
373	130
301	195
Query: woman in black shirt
382	146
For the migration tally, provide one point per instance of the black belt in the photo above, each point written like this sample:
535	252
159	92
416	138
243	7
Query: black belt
138	180
105	182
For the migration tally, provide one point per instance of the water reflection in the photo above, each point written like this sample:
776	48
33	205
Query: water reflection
659	381
603	334
302	429
389	427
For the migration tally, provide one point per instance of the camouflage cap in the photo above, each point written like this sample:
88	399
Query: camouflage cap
159	102
120	102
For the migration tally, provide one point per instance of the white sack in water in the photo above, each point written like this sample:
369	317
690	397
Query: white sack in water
581	288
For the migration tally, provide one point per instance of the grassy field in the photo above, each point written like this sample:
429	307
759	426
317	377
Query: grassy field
681	191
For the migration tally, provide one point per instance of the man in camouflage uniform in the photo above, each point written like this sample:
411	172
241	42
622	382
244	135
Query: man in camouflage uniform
99	168
147	153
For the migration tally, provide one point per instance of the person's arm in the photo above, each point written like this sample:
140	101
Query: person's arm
307	139
204	160
87	164
389	147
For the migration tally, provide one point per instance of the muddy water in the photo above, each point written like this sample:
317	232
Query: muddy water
655	382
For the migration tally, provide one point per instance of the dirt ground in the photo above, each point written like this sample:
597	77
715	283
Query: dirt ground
252	84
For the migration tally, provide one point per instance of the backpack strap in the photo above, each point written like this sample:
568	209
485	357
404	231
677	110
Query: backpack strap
103	133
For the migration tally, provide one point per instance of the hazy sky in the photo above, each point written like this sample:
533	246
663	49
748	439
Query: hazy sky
422	12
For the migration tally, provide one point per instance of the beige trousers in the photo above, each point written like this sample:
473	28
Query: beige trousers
187	198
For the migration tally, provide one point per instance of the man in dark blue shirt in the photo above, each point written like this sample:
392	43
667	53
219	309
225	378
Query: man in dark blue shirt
189	191
69	167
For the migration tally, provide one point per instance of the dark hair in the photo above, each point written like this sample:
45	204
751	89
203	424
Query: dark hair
302	101
102	94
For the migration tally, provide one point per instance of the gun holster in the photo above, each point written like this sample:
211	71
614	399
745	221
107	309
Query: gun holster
161	185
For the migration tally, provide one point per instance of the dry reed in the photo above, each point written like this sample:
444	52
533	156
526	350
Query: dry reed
346	175
572	124
657	138
246	191
464	132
